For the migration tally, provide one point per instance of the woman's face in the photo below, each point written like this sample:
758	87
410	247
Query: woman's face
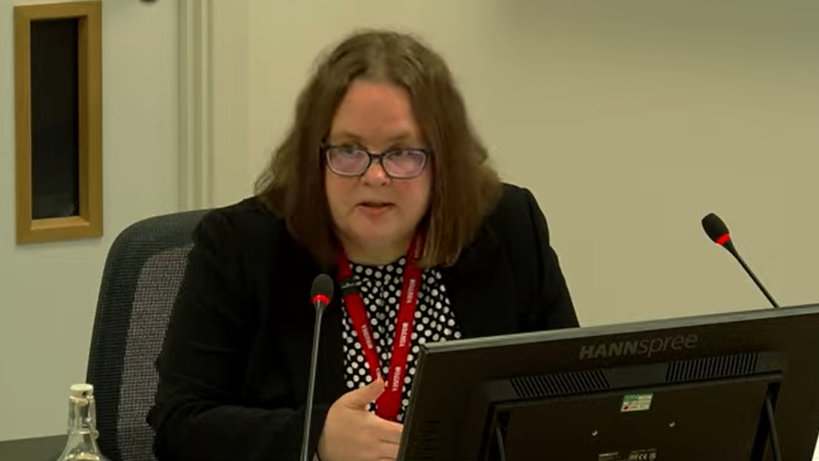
374	209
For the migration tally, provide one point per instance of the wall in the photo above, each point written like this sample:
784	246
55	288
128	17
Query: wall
48	292
630	121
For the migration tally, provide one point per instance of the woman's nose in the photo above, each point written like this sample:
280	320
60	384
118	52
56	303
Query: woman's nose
375	174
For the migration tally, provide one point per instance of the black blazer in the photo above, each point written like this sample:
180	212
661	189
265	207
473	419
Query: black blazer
234	365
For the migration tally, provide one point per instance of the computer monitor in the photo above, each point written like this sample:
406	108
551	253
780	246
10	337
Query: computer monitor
694	388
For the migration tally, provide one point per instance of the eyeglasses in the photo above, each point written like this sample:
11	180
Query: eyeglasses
355	161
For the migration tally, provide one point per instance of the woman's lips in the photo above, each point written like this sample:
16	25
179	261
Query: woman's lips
374	209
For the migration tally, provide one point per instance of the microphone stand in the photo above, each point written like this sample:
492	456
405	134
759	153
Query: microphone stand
311	383
712	223
731	249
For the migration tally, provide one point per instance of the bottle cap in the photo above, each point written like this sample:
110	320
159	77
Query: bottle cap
82	390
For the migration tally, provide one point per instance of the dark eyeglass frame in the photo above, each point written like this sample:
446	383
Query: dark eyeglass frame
373	156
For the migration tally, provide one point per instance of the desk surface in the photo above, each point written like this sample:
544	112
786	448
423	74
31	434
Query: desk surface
36	449
48	448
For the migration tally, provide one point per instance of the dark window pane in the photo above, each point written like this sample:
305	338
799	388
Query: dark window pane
55	118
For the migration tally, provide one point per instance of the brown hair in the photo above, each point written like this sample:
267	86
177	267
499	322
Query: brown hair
464	187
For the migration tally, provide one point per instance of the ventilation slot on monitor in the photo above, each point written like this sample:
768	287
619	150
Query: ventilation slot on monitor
557	384
712	367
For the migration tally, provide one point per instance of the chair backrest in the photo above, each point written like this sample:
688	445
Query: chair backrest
142	275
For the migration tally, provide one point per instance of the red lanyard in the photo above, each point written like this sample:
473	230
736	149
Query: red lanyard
389	402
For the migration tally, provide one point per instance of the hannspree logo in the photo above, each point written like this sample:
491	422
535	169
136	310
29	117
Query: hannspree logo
647	347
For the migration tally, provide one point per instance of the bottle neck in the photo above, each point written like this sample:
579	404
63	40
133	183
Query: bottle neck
82	424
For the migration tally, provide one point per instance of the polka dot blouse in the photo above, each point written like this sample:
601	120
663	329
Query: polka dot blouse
380	288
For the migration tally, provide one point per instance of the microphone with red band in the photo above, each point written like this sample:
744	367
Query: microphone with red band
718	232
320	295
320	299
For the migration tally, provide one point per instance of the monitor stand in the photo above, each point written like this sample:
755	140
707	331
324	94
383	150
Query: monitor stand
771	419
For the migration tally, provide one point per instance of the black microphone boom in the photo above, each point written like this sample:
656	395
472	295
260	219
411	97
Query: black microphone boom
718	232
320	296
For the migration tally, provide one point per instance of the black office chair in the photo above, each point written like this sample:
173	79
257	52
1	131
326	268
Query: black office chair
143	272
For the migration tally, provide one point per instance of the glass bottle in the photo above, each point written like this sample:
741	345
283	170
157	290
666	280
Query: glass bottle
82	426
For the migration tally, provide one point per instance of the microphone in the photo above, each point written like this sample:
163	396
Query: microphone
718	232
320	295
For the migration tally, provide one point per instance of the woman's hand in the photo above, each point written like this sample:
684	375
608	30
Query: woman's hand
351	433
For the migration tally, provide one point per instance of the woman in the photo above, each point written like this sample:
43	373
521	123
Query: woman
380	180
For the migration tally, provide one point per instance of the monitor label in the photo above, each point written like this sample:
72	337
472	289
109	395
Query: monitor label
647	454
636	402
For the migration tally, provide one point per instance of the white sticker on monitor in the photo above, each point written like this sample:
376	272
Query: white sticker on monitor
645	454
648	454
636	402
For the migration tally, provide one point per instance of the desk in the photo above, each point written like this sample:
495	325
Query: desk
36	449
48	448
